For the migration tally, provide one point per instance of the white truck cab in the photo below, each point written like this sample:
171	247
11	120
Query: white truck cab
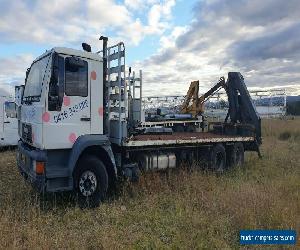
63	89
80	120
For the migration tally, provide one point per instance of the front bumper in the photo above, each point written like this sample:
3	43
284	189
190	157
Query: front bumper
26	158
57	175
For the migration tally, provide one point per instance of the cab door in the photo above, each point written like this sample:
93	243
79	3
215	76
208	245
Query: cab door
62	128
96	96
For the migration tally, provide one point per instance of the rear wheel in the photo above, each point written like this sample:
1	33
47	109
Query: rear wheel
218	158
91	181
236	155
191	128
178	128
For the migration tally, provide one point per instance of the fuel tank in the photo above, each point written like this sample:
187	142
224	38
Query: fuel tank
154	161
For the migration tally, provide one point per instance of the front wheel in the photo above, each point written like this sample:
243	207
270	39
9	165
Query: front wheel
91	181
236	155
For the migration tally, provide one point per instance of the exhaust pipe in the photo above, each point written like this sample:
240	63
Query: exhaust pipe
105	97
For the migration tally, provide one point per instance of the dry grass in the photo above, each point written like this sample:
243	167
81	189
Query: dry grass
183	209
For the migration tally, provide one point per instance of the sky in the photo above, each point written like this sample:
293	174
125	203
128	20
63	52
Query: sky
173	41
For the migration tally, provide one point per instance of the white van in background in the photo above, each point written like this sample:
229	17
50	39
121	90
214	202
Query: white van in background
8	118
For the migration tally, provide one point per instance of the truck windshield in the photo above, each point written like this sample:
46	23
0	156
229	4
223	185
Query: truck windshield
10	109
33	86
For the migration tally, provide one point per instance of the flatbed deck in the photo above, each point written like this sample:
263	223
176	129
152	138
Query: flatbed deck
182	138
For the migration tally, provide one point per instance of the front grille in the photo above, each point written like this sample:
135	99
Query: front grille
27	132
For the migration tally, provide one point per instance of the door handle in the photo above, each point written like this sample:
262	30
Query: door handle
85	119
7	122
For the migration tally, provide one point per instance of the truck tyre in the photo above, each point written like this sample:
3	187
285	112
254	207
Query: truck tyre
91	182
178	128
218	158
236	155
191	128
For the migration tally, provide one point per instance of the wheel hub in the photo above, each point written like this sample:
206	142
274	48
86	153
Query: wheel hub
87	183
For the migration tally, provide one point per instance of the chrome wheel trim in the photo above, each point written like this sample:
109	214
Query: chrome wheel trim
87	183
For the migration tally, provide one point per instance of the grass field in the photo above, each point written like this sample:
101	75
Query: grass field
184	209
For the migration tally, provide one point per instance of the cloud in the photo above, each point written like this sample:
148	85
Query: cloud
69	21
258	38
134	4
252	12
284	44
40	21
13	71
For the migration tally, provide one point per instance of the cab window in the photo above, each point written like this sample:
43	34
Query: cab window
76	77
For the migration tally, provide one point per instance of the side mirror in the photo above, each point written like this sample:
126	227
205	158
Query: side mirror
53	97
27	73
56	84
53	90
53	86
19	92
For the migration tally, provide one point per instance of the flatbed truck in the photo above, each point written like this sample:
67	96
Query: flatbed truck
78	120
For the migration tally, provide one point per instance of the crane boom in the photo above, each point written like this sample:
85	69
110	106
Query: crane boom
241	109
197	106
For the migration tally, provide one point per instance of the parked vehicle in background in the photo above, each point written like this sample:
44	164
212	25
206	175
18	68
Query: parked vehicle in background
8	121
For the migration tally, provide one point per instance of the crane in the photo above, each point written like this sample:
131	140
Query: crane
193	104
